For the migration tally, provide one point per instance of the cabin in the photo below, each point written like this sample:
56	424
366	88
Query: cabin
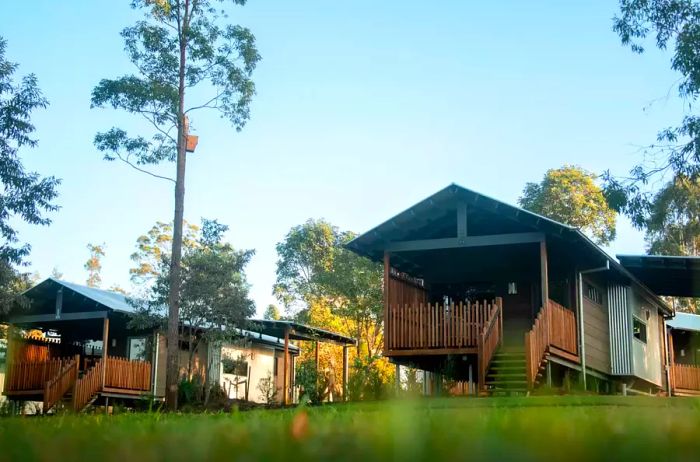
74	344
480	291
678	277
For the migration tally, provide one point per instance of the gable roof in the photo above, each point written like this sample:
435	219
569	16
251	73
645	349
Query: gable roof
435	217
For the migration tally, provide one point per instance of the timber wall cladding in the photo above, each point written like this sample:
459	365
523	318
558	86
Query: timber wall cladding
596	331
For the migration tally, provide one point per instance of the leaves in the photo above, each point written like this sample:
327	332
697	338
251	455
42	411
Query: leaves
571	196
25	195
94	264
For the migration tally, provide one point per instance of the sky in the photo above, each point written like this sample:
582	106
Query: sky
363	108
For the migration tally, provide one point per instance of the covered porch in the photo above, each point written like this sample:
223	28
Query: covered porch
80	351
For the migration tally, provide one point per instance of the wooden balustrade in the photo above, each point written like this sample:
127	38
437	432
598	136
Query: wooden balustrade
555	326
490	339
56	387
436	326
685	377
128	375
87	386
32	376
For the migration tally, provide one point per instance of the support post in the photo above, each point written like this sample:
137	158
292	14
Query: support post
544	281
285	369
105	346
345	372
9	354
549	374
672	364
397	384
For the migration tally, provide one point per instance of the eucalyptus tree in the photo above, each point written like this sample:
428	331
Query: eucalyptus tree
177	46
570	195
672	25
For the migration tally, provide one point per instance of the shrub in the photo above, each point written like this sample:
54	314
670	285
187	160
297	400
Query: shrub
367	382
307	378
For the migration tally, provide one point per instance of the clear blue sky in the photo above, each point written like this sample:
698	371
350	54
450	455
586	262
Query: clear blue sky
363	109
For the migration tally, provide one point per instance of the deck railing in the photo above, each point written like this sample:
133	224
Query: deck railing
87	386
490	339
686	377
555	326
32	376
56	387
128	375
436	326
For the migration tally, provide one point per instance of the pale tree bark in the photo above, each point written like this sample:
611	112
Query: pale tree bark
172	371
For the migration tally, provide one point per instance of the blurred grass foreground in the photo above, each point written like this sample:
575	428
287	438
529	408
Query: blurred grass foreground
534	428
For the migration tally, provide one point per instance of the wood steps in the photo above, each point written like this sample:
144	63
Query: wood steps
507	375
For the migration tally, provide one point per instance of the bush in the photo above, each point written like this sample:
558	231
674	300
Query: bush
267	389
367	382
307	378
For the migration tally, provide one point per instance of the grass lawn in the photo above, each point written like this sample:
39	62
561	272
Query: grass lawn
535	428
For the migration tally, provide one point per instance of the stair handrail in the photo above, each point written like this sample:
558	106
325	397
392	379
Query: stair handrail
491	337
57	386
87	386
536	344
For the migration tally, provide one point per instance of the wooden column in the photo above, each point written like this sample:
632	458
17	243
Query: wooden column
672	360
285	381
345	372
105	346
317	357
544	282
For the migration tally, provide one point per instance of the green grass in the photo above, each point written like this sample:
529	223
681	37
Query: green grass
535	428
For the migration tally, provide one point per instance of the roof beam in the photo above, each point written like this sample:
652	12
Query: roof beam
77	316
472	241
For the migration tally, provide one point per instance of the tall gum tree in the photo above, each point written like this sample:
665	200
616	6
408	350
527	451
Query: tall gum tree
177	46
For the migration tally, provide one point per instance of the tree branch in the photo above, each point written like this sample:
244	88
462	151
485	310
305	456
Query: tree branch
135	167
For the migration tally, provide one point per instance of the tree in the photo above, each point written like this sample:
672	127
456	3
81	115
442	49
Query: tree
272	313
215	293
673	225
179	46
156	244
24	195
571	196
673	24
306	251
56	273
94	264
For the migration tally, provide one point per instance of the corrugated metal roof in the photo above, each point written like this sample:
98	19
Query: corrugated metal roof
685	321
107	298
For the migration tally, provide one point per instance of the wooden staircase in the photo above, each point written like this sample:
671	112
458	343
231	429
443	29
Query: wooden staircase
507	374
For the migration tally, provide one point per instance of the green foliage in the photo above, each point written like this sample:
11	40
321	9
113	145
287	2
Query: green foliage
272	313
219	62
673	225
571	196
155	246
412	385
367	382
190	391
24	195
214	294
94	264
305	253
673	25
237	366
308	379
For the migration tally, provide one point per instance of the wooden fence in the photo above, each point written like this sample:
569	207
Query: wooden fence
32	376
490	339
555	326
434	325
56	387
129	375
686	377
87	386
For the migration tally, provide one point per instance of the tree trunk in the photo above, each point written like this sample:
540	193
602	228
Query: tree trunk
172	371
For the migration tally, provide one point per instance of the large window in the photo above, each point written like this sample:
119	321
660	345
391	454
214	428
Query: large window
639	330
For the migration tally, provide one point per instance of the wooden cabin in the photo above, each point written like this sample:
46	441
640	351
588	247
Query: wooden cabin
482	291
56	351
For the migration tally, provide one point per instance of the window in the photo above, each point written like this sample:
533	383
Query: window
137	348
237	366
639	330
592	293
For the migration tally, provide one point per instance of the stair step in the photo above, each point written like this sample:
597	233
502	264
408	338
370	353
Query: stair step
514	375
509	361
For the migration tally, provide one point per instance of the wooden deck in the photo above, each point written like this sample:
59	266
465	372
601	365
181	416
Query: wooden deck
52	380
685	379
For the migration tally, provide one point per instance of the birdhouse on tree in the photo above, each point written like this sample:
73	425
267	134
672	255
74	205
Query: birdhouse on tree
191	140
